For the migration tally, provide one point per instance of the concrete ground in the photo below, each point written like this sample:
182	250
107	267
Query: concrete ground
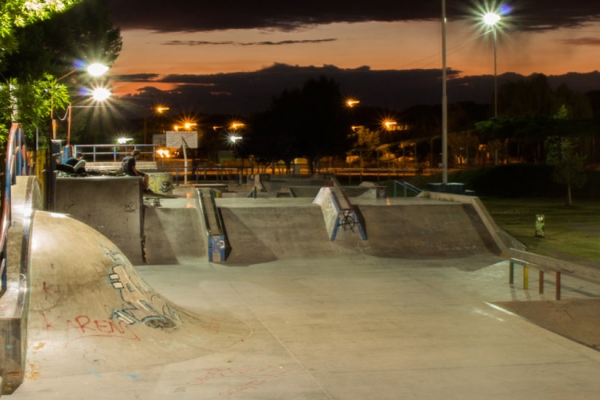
360	327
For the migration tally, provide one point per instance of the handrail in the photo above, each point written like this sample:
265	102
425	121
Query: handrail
406	186
16	152
91	149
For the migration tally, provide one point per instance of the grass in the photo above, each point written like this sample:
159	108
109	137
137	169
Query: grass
569	232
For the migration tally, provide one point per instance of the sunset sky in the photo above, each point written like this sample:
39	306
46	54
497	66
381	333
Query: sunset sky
197	47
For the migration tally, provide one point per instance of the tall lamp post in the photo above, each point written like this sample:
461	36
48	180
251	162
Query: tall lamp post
98	95
444	100
159	110
94	69
491	19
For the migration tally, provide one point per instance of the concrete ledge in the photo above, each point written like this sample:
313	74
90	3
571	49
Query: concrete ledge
215	231
111	205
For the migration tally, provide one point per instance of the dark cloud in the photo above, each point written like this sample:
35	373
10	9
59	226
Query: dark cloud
136	77
232	43
198	16
582	41
246	92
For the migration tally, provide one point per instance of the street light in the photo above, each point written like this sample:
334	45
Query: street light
99	94
491	19
94	69
444	100
389	125
186	126
158	110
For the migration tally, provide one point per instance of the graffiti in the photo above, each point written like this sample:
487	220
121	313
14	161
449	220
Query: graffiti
83	326
142	306
166	187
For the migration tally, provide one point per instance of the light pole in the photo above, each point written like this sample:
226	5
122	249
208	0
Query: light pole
491	19
98	95
444	100
158	110
94	69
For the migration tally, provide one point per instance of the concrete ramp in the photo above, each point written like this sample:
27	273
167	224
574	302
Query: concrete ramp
173	235
263	234
425	231
264	231
112	205
89	305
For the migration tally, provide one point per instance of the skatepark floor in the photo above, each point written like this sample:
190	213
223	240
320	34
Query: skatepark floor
365	328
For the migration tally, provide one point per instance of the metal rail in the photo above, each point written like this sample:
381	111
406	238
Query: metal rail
114	152
407	186
16	164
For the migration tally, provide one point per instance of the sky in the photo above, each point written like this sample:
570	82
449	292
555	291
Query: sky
233	56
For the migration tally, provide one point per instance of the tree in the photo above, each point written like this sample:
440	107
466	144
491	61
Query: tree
46	48
83	34
527	110
311	122
562	154
19	13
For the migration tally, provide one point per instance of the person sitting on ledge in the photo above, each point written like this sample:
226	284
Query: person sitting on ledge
129	168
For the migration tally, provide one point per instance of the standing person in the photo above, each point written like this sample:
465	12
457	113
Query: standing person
129	167
78	163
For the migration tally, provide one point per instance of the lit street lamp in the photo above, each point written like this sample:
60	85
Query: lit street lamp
158	110
444	100
94	69
491	19
98	95
352	102
389	125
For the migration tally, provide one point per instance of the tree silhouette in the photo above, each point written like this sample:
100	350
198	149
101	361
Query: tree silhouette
310	122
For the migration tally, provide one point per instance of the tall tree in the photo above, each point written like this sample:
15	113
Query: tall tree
82	34
57	46
562	153
311	122
18	13
31	96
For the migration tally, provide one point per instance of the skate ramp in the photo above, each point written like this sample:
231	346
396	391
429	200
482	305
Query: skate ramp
418	229
90	307
111	205
425	231
263	234
173	235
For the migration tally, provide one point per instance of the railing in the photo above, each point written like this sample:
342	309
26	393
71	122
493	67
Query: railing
16	164
406	186
114	152
198	174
